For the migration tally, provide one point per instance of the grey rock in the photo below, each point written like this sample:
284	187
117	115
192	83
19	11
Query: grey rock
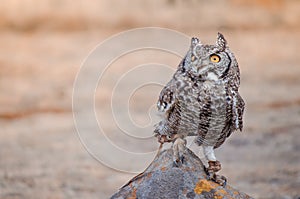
163	180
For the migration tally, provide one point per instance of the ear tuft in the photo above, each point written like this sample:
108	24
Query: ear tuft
221	42
194	41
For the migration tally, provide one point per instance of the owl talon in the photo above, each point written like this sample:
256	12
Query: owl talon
178	162
178	150
210	174
215	166
164	138
221	180
182	159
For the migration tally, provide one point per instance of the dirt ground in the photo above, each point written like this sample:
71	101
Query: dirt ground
44	45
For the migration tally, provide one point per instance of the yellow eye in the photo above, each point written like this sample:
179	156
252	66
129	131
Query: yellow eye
215	58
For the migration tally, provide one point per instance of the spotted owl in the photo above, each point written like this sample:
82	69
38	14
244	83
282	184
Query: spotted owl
202	100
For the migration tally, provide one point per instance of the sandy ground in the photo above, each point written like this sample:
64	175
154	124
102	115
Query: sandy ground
41	155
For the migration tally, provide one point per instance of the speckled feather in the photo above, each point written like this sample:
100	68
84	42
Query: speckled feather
202	98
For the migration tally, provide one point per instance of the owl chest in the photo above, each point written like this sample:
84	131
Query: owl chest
204	107
214	95
207	93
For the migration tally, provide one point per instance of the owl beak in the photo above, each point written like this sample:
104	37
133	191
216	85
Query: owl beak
202	68
200	65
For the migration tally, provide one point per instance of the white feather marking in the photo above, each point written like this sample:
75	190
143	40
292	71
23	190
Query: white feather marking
236	113
209	153
212	76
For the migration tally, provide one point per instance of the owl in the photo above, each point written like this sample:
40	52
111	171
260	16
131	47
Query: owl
202	100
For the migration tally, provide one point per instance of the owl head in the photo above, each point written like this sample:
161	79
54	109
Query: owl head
211	62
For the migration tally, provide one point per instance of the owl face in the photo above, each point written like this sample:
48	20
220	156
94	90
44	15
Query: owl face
209	61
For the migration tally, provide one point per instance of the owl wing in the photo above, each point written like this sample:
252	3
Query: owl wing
237	112
166	105
167	97
234	120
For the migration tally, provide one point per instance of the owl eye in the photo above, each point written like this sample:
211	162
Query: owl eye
215	58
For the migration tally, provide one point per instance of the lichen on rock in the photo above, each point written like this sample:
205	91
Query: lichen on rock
162	180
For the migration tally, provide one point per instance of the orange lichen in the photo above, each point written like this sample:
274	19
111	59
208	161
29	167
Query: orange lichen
219	194
221	191
149	175
163	168
133	194
204	185
218	197
189	169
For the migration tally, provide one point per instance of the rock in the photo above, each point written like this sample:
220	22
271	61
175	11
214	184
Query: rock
162	180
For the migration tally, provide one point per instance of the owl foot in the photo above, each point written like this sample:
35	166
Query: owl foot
221	180
215	166
164	138
178	150
178	162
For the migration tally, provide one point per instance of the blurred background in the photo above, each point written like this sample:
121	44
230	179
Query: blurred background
43	44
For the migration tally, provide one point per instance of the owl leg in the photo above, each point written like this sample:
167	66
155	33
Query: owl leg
213	166
178	150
